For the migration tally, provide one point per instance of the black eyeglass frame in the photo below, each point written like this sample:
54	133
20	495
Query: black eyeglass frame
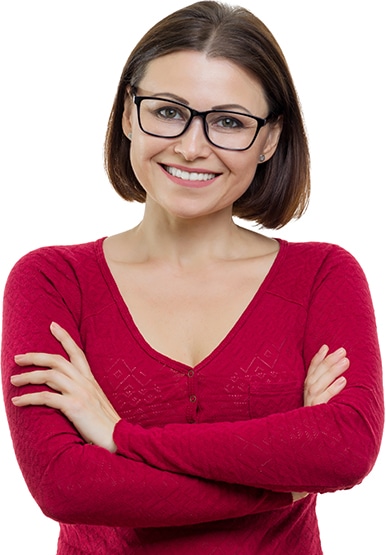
195	113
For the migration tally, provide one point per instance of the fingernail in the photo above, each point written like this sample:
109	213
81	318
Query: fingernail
342	363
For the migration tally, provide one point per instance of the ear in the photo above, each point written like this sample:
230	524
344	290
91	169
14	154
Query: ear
272	138
127	115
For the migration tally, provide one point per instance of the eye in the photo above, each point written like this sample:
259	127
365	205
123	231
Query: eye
169	112
229	123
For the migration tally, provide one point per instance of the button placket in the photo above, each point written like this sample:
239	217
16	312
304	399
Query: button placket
192	405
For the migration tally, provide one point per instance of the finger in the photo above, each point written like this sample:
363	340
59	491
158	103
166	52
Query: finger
336	387
335	356
323	367
46	360
52	378
46	398
329	373
327	381
317	359
75	354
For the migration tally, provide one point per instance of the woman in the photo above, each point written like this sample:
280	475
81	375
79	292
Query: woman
111	349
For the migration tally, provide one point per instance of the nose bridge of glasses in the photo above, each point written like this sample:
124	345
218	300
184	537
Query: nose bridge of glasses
200	118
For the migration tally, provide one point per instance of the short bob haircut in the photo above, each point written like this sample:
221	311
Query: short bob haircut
280	188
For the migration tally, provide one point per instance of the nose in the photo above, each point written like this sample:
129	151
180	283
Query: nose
193	143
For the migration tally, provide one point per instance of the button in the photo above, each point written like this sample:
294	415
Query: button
191	373
193	399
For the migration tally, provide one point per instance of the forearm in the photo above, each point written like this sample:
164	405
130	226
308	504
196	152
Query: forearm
78	483
284	452
147	497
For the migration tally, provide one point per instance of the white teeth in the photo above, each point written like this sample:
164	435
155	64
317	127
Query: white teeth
189	176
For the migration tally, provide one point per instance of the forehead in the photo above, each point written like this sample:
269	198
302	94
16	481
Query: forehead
202	81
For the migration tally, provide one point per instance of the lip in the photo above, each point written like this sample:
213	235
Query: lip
194	184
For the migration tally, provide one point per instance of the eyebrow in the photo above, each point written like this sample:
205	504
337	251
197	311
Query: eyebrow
234	107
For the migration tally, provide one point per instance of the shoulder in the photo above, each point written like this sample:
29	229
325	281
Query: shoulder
60	264
313	256
305	267
314	251
50	256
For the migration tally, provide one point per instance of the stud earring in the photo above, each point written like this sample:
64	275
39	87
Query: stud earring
129	136
261	158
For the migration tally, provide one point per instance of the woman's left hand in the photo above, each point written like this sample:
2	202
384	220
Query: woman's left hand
76	392
324	378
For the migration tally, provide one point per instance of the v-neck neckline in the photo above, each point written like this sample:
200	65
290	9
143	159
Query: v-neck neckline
161	357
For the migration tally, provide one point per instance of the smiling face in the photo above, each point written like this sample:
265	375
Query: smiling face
188	176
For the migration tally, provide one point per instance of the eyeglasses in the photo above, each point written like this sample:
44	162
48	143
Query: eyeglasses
162	117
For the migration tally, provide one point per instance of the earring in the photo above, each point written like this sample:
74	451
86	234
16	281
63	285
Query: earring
129	136
261	158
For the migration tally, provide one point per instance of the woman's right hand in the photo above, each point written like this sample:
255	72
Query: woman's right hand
324	380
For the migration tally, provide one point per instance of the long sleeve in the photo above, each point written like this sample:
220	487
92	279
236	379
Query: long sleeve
317	449
78	483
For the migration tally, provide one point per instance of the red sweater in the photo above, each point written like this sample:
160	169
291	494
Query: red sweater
207	456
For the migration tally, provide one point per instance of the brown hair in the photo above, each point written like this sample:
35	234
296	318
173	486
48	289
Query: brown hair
280	188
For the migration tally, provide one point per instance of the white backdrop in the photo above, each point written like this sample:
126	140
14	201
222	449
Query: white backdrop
60	65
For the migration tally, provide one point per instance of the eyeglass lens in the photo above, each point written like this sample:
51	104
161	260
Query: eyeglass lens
225	129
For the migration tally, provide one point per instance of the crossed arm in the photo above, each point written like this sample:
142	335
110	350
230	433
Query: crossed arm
132	476
76	393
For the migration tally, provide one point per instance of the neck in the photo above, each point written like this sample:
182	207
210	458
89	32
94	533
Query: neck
188	242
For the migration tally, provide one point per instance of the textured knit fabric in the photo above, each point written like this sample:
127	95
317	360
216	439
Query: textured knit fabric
207	456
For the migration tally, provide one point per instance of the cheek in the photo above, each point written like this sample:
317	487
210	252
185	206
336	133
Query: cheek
137	162
245	175
245	168
142	153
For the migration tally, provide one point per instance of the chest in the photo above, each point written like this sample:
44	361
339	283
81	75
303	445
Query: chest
256	370
186	315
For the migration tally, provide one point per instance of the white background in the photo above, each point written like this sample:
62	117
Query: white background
60	65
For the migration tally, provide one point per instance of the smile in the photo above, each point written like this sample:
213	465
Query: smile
189	176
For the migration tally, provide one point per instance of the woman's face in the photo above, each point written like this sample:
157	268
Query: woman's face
188	176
